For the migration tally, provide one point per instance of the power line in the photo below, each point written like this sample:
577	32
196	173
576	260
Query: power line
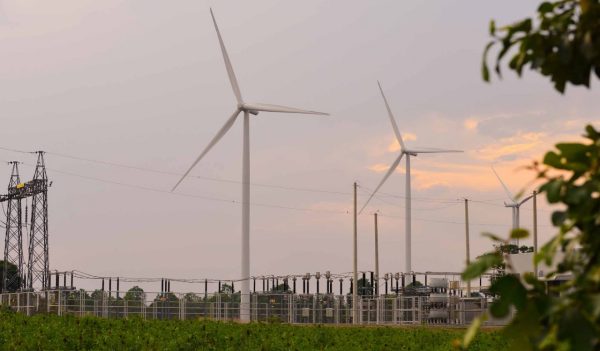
170	173
450	202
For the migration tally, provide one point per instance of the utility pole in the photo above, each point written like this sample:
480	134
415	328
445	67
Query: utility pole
355	267
535	241
376	280
467	242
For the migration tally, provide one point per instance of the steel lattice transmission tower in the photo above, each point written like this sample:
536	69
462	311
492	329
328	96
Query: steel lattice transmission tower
37	274
38	266
13	242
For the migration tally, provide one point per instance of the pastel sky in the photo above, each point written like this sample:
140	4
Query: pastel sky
142	83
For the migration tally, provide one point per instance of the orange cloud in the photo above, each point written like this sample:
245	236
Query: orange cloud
395	145
379	167
471	124
519	144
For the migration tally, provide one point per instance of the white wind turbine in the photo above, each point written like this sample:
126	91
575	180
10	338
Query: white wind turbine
514	204
247	109
408	152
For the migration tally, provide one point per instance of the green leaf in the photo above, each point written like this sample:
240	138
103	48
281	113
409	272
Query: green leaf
511	292
573	151
558	218
494	237
485	71
492	28
553	190
577	196
519	233
473	329
576	328
546	253
545	7
552	159
481	265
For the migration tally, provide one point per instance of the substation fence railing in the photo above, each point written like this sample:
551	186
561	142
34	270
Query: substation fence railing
264	307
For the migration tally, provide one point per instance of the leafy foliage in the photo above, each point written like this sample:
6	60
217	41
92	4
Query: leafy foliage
12	272
564	317
135	294
50	332
563	43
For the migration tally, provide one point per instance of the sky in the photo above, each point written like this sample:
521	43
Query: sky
141	86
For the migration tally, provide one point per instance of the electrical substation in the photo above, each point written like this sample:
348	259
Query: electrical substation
30	286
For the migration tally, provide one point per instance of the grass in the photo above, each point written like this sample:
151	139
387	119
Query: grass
50	332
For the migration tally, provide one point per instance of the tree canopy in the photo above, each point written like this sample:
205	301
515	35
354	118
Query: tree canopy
13	273
561	42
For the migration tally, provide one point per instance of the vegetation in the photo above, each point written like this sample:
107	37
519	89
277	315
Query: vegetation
13	274
49	332
564	317
562	42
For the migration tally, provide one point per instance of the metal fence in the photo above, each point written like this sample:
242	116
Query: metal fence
266	307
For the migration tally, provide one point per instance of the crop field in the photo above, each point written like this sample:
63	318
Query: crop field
50	332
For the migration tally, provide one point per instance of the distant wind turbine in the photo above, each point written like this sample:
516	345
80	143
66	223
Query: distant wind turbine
247	109
514	203
408	153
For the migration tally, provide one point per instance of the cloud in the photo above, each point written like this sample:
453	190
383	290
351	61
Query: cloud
517	146
395	145
379	167
471	124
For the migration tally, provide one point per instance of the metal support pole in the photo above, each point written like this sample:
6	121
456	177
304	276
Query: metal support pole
376	256
467	239
407	218
535	231
355	264
245	290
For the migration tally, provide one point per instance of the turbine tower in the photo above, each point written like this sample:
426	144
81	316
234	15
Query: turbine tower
247	109
514	204
408	153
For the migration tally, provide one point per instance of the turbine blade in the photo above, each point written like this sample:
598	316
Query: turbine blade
392	119
440	151
279	108
228	66
508	193
387	175
212	143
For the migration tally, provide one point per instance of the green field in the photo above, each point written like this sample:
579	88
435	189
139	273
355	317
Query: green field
49	332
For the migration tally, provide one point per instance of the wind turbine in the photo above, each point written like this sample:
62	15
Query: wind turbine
247	109
408	153
514	203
